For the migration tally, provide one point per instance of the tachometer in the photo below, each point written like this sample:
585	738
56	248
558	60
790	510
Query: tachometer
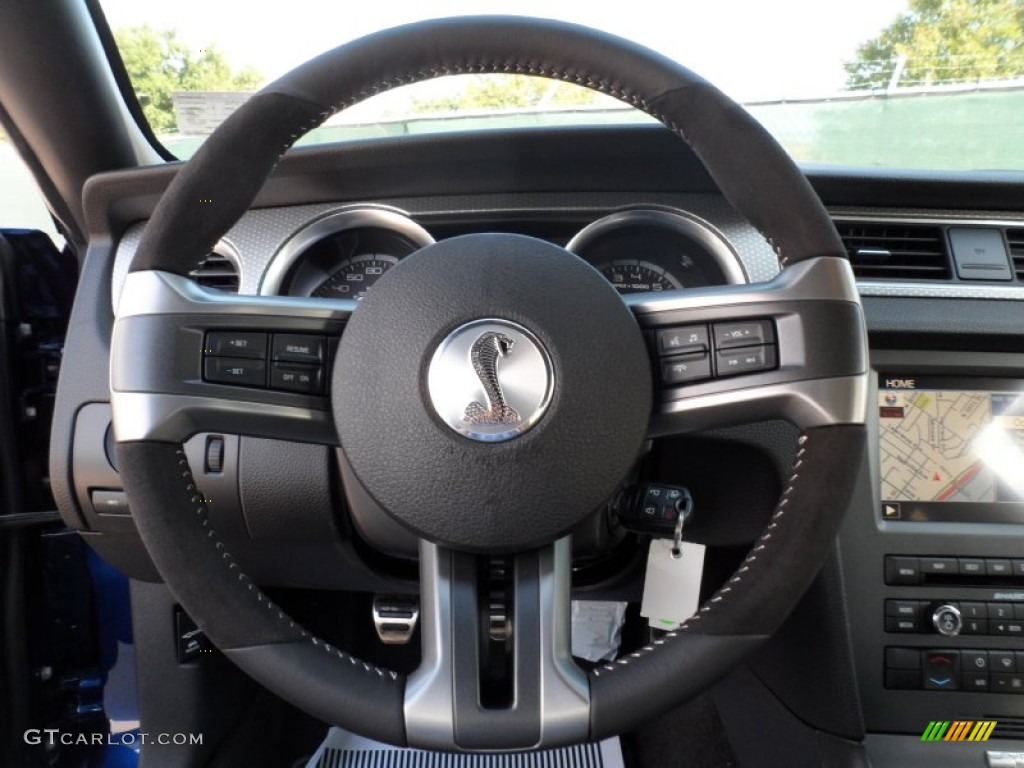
355	276
341	255
635	276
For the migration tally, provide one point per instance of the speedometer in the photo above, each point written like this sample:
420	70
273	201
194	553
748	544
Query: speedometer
635	276
355	276
641	250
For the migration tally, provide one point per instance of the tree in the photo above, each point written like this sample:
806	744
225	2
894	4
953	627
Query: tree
159	64
944	41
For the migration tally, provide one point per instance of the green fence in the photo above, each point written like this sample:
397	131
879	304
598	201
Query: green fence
939	130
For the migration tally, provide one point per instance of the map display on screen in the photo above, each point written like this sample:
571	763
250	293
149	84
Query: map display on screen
939	445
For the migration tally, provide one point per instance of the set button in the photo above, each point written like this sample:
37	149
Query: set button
239	371
237	344
288	362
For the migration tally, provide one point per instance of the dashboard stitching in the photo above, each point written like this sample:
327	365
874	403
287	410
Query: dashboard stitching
720	596
232	565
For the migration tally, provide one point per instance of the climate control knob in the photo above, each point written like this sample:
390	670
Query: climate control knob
946	620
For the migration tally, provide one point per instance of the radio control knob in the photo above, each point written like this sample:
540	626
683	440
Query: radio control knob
946	620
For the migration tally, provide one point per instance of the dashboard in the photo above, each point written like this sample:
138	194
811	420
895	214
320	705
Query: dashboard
928	577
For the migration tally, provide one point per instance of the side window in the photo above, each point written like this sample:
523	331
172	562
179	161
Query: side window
21	205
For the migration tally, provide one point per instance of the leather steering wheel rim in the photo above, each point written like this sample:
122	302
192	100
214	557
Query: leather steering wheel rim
753	172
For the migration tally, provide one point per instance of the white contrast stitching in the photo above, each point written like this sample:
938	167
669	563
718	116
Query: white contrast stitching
719	597
260	597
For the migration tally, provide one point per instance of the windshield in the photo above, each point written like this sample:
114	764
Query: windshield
917	84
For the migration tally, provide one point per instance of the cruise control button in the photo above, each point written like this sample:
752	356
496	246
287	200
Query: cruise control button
743	334
731	362
236	344
227	370
298	348
685	338
680	370
307	379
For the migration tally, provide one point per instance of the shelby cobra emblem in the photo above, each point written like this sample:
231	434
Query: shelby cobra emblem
485	354
490	380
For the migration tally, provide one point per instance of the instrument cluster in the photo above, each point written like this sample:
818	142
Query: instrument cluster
638	250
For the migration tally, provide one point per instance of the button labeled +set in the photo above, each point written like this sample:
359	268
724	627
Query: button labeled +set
237	344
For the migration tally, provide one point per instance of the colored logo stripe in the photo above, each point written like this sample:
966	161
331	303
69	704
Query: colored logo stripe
982	730
959	730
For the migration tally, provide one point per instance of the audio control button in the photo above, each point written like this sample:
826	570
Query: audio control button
946	620
939	565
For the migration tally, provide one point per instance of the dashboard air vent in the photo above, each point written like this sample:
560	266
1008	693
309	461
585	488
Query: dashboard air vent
895	250
217	271
1015	239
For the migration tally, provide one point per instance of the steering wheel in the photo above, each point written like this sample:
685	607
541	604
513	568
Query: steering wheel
490	393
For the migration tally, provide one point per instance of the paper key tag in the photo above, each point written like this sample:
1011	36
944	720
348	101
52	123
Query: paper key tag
672	584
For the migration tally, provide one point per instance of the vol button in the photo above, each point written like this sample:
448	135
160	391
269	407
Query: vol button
947	620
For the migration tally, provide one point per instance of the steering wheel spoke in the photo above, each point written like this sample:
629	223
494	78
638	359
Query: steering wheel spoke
187	359
480	686
793	348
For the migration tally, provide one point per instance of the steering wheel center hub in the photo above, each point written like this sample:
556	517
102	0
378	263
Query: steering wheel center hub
478	406
490	380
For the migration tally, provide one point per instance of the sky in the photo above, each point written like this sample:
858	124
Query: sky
754	50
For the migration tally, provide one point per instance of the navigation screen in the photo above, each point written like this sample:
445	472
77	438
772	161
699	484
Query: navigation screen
951	449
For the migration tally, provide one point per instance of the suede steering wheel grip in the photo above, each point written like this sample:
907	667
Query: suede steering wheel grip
754	174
